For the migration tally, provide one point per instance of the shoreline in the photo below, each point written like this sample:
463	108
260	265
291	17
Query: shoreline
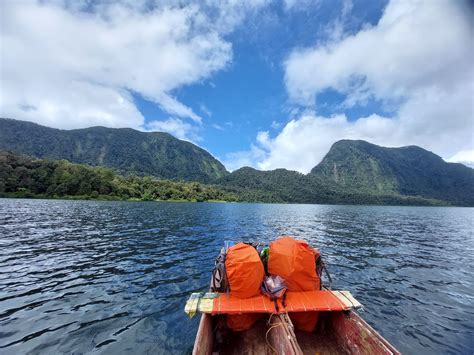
104	198
115	198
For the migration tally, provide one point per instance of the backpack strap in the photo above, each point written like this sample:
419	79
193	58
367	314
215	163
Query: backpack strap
320	268
219	281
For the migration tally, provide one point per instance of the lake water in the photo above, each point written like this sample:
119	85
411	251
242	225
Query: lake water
113	277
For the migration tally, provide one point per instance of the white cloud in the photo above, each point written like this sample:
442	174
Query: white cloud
176	127
303	142
205	110
217	126
300	5
275	124
465	157
418	59
335	30
236	160
68	68
415	45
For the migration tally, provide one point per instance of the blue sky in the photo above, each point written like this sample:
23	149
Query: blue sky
249	95
268	84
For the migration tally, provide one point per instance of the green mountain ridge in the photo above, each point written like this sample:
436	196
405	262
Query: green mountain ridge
358	172
352	172
356	165
125	150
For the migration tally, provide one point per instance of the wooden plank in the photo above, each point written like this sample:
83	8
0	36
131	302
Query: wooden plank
199	302
192	304
306	301
342	298
355	304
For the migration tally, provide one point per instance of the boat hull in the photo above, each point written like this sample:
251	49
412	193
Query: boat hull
337	333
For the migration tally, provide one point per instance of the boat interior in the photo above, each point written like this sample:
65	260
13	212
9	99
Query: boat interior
336	333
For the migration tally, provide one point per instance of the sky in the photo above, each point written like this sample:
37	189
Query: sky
267	84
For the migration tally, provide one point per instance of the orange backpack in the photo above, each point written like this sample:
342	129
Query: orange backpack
244	270
295	262
245	274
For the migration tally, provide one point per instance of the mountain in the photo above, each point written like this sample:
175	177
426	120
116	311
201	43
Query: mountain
352	172
359	166
278	185
358	172
125	150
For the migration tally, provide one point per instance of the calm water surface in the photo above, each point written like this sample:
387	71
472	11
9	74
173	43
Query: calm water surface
113	277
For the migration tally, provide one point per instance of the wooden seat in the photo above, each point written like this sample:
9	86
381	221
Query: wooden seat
223	303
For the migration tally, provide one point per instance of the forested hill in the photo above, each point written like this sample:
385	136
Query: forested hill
127	151
23	176
408	171
358	172
352	172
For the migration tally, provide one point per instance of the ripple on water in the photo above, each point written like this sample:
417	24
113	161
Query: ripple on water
78	276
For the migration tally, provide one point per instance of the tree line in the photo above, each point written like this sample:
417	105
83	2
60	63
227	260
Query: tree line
23	176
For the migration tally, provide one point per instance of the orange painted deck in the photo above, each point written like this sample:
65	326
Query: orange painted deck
224	303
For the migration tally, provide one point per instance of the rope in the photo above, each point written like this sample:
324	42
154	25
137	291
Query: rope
328	275
268	331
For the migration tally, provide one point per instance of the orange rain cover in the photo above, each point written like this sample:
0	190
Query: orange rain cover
244	270
305	321
295	261
240	322
245	273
